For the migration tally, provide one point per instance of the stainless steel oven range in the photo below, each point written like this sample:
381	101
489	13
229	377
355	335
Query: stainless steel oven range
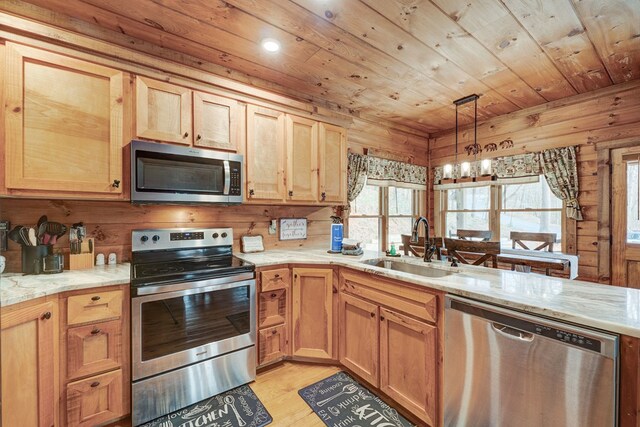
192	319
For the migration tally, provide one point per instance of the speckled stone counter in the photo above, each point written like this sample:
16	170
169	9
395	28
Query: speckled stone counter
16	287
604	307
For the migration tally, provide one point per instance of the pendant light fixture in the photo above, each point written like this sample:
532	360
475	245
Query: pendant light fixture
465	171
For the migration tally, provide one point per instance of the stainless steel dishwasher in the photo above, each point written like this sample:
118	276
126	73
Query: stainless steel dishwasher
503	368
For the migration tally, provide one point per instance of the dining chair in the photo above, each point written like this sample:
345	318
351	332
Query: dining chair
484	251
417	249
546	240
482	235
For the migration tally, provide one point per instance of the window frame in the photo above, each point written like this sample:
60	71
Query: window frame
384	216
495	210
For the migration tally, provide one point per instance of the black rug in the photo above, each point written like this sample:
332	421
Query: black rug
239	407
341	401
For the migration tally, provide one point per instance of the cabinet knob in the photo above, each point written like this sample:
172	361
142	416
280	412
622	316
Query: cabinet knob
251	192
96	298
323	195
273	295
46	316
116	183
95	384
290	193
186	135
277	276
373	314
95	331
198	137
273	332
382	318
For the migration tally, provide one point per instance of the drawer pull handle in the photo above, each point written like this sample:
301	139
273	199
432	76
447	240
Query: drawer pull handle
96	298
95	331
277	276
273	295
46	316
95	384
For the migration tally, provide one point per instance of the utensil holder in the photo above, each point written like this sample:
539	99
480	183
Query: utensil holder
83	260
32	258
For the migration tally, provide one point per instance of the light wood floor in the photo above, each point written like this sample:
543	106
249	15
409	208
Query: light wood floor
277	387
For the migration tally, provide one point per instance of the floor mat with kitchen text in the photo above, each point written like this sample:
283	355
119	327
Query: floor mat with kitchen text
239	407
339	400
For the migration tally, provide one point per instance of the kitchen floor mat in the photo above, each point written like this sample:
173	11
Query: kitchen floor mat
339	400
239	407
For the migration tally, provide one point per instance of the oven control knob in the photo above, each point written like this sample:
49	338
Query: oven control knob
216	235
155	238
224	235
144	238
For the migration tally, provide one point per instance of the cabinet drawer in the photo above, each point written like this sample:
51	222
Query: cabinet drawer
275	279
273	344
272	308
94	400
94	307
93	349
415	302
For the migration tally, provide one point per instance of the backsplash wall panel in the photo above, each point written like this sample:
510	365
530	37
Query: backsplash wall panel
111	223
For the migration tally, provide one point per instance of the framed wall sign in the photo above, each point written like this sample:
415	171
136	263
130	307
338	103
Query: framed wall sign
293	228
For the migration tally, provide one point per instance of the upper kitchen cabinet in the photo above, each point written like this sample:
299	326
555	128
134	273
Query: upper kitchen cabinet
64	125
302	159
163	111
215	122
265	154
333	164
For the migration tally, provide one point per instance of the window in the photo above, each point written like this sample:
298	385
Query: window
380	215
526	207
633	210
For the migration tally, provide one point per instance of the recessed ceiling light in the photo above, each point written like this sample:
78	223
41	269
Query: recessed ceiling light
271	45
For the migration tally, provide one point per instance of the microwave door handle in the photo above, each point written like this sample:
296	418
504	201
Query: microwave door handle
227	178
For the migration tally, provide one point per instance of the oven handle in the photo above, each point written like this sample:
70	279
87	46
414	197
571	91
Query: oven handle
227	178
152	293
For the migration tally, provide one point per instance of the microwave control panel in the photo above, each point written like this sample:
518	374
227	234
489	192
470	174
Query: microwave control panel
235	188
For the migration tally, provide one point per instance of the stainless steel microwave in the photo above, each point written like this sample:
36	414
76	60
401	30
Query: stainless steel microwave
163	173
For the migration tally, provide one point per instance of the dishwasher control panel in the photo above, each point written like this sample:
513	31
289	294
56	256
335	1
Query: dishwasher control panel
568	337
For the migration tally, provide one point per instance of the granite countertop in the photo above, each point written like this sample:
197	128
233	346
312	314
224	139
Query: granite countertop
610	308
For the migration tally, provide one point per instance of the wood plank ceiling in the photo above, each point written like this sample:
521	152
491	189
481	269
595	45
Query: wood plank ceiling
400	60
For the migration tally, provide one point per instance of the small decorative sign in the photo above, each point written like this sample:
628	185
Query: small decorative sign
251	244
293	228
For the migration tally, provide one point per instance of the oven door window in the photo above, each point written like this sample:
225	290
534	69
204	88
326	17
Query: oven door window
171	173
176	324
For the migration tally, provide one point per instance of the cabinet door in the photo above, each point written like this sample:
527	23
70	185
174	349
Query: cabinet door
265	154
408	363
64	128
215	122
93	349
28	355
272	344
359	337
302	159
312	313
333	164
163	111
94	400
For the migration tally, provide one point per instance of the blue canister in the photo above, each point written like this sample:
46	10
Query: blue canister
336	237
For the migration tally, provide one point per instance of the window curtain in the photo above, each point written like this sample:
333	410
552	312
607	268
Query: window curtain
560	168
357	168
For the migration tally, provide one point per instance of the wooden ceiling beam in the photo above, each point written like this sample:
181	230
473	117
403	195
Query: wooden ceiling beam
558	31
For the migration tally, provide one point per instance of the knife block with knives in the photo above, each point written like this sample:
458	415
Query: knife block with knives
84	259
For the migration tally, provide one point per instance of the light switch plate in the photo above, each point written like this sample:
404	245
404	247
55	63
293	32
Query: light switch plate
272	227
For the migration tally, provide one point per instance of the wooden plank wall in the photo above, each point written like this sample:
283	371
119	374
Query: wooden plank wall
584	120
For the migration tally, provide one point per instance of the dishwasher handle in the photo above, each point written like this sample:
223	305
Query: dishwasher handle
510	332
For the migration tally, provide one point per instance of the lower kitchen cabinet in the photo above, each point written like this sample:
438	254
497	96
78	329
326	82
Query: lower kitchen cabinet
93	348
272	343
29	355
359	343
94	400
312	313
408	363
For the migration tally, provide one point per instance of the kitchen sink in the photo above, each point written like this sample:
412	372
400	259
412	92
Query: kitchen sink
420	270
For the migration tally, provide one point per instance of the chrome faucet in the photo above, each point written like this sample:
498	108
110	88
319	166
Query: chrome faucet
429	250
